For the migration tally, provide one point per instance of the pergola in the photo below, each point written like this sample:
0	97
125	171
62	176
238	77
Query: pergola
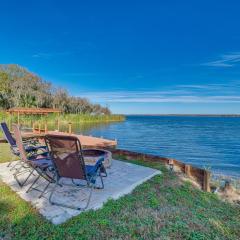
32	111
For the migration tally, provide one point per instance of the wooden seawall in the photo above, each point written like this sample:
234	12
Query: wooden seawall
201	176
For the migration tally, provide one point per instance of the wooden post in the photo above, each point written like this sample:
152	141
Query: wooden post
58	125
206	181
171	164
187	170
70	128
9	121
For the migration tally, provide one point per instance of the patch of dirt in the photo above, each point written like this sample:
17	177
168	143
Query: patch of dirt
229	193
184	178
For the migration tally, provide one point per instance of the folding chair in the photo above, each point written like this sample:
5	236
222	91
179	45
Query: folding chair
68	161
30	146
41	164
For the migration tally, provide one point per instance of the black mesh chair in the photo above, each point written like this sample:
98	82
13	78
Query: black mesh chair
31	147
40	164
68	161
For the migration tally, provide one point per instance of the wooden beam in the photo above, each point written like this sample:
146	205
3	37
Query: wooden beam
33	110
187	170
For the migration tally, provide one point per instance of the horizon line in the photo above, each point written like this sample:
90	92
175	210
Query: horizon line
184	114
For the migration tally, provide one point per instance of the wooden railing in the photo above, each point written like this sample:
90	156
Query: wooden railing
43	128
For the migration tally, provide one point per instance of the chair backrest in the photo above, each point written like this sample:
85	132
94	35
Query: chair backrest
7	134
18	137
66	155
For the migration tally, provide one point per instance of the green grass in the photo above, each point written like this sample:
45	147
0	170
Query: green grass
162	208
63	118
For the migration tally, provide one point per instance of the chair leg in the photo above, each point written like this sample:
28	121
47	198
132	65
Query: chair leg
21	184
40	175
46	187
101	177
44	190
99	174
70	206
34	182
103	170
51	194
89	198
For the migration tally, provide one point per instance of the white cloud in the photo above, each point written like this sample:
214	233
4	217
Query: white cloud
49	55
210	93
226	60
42	55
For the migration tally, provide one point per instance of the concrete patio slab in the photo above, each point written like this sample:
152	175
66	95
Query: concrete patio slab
122	179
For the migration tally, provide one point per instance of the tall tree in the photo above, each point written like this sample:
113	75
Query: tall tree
21	88
5	90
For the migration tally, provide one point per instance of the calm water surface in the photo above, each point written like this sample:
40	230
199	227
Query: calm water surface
212	142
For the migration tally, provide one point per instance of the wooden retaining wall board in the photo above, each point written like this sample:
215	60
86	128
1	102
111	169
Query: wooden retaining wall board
201	176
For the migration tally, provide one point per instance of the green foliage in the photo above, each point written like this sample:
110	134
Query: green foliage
162	208
64	119
21	88
4	90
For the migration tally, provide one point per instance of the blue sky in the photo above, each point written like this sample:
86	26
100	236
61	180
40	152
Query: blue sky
133	56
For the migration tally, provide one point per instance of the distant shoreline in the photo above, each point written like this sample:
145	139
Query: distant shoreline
185	115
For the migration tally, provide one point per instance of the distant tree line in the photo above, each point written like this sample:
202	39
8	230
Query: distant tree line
21	88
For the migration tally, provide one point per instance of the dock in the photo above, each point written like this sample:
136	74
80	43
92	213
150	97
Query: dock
86	141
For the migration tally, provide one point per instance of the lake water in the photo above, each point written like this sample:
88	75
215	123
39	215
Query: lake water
212	142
